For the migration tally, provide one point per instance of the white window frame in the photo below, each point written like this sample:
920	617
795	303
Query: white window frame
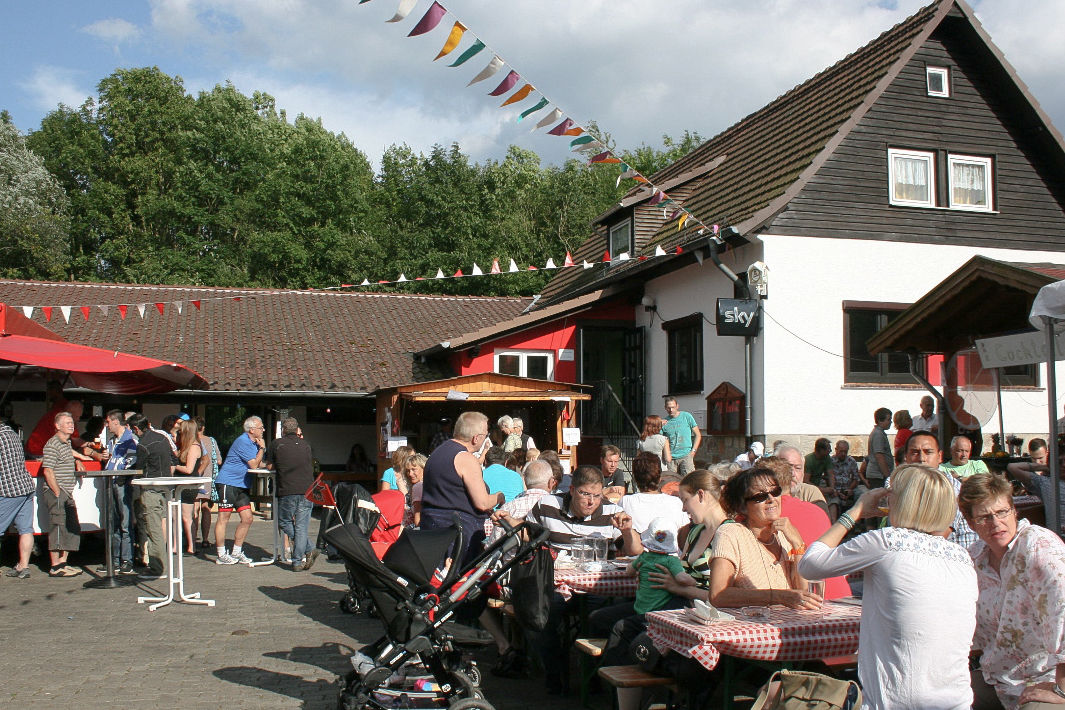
926	156
955	159
627	226
943	72
523	366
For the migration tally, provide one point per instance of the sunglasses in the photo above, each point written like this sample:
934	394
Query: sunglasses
764	495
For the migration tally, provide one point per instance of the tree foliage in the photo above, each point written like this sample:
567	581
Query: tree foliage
223	189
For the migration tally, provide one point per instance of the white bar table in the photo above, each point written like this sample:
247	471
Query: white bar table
270	476
170	487
109	580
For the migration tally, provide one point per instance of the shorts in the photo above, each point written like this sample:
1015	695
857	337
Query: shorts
18	510
232	498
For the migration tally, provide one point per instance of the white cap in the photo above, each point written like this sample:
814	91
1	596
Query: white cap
757	448
660	536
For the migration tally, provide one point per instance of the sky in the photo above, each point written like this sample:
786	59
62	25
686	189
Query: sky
639	69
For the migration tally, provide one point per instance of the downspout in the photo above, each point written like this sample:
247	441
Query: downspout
911	356
713	243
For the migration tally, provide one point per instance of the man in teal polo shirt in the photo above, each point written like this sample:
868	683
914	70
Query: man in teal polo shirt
684	437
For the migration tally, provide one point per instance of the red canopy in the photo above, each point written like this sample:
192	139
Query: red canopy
23	341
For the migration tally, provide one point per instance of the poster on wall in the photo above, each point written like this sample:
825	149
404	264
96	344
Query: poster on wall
571	435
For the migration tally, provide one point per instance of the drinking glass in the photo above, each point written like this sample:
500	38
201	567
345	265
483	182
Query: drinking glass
579	551
599	548
817	586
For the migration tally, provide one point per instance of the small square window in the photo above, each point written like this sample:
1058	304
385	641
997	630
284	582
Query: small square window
621	239
525	363
970	183
912	178
937	80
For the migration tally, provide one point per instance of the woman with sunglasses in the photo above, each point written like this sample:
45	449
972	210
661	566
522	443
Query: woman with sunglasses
1020	614
754	562
919	601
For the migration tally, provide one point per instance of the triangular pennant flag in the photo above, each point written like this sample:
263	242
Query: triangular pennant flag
159	307
717	228
495	267
657	197
593	147
405	6
606	256
506	85
580	141
623	256
47	313
586	265
643	257
493	66
122	311
401	278
365	282
319	493
384	281
604	157
575	131
453	39
678	250
469	54
672	215
529	111
236	298
518	95
659	251
513	267
85	310
476	270
568	261
641	178
550	264
549	119
27	311
531	268
195	303
561	128
625	176
105	310
140	309
439	274
457	274
65	310
681	221
429	20
178	305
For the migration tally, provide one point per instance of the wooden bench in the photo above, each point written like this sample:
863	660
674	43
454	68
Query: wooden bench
633	677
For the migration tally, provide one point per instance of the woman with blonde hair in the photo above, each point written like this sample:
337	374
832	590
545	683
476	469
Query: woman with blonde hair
913	650
414	474
399	465
189	453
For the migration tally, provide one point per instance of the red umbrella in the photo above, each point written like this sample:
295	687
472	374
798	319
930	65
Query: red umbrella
25	342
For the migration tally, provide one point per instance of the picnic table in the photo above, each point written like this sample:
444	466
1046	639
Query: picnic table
611	581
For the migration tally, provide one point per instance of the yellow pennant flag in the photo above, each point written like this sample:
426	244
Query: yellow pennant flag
681	221
453	40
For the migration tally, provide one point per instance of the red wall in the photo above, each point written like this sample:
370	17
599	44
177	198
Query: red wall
549	337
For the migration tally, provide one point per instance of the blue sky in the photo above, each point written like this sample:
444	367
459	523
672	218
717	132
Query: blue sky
640	69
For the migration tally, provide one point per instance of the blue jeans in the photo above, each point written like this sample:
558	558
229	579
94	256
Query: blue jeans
294	518
122	515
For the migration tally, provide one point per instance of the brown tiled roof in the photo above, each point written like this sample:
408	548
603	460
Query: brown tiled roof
765	153
269	340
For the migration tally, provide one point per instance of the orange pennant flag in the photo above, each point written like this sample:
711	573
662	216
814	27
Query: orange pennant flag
575	131
518	95
453	40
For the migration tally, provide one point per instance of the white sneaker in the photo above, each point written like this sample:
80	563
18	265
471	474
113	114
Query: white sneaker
241	558
226	559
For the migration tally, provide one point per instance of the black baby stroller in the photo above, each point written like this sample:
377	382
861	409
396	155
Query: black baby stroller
418	662
354	504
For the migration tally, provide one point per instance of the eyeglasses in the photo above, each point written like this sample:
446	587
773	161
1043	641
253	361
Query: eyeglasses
764	495
588	495
993	515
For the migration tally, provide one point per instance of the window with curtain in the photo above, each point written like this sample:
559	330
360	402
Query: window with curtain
912	175
970	183
621	239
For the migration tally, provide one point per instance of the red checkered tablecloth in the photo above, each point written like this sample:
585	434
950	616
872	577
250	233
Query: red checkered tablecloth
789	635
611	582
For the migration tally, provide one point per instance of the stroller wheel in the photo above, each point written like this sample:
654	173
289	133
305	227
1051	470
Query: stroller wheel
473	673
470	685
471	704
349	604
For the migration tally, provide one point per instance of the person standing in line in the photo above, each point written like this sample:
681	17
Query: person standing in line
684	438
156	460
233	490
121	455
879	455
16	498
58	469
292	458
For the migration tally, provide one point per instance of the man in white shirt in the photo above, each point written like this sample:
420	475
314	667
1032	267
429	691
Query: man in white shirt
752	454
927	419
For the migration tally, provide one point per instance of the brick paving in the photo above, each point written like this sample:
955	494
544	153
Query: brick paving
275	639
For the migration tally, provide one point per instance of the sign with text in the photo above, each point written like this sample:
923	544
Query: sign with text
737	316
1022	349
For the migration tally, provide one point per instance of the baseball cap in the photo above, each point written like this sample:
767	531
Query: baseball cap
660	536
183	416
757	448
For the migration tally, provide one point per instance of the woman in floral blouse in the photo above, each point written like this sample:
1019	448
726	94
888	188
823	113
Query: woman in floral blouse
1020	615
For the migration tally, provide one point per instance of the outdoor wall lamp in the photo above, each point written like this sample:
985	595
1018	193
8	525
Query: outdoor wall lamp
648	303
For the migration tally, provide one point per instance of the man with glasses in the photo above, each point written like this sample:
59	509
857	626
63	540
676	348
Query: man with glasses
923	448
233	490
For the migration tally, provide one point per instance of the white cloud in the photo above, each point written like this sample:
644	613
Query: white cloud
48	86
114	30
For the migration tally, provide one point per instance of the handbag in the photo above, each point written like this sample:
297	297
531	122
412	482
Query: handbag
532	586
800	690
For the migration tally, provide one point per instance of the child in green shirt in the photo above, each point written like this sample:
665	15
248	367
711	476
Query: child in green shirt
659	548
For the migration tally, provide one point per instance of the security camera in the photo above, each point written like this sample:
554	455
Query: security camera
758	277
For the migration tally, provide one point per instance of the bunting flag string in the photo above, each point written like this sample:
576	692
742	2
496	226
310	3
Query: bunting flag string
453	39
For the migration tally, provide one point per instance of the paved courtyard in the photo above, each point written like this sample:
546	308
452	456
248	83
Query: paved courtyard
275	639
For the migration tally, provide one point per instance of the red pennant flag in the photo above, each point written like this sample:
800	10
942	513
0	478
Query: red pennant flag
532	268
560	129
122	311
506	85
495	267
236	298
678	250
195	303
643	258
569	260
319	493
606	256
159	307
419	278
429	20
85	311
47	313
457	274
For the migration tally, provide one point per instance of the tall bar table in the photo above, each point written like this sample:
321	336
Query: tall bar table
170	487
270	476
109	580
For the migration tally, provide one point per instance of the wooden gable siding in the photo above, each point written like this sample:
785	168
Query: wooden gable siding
848	197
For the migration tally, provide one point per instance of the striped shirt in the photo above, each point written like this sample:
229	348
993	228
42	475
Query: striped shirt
15	480
59	457
553	513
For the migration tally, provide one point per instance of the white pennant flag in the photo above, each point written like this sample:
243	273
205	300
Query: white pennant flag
659	251
553	117
177	305
624	256
365	282
105	309
28	311
493	66
65	310
405	6
550	264
439	274
586	265
140	309
594	146
401	278
513	267
476	270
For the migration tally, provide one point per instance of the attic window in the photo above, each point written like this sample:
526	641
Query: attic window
912	177
621	239
937	80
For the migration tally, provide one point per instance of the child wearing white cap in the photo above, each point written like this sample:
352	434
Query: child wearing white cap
659	548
